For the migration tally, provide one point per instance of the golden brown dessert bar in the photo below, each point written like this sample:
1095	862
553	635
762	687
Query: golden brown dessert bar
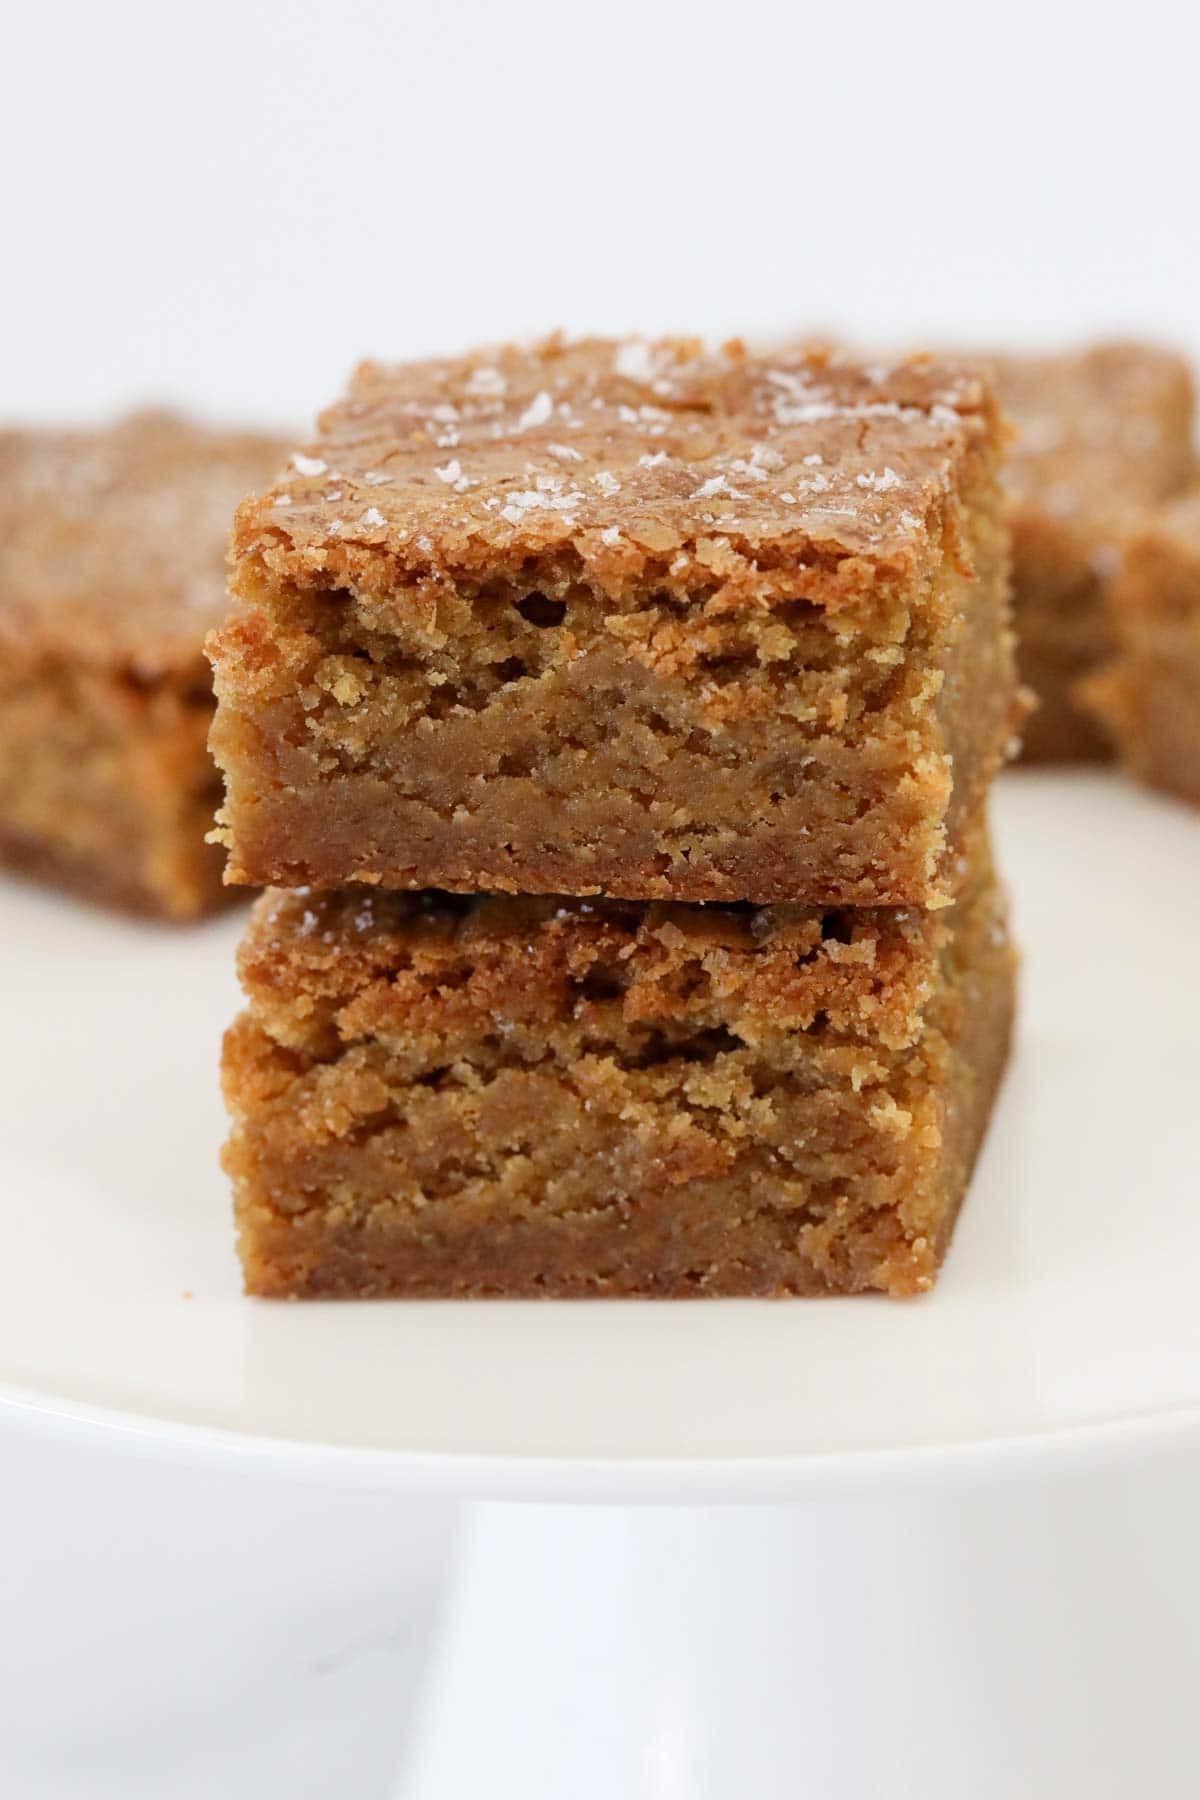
451	1096
112	552
626	618
1101	432
1147	697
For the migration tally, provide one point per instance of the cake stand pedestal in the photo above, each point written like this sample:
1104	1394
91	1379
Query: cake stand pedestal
1038	1637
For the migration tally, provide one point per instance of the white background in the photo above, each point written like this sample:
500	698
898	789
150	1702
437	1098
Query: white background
226	205
230	203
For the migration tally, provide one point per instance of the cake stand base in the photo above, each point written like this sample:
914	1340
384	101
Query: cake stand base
1024	1640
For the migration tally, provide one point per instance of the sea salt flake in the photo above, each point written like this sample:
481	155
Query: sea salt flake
540	408
750	471
806	412
879	484
527	500
308	465
486	383
652	462
373	518
610	535
450	472
635	361
564	452
608	484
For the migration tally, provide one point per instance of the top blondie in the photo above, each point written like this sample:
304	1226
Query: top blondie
628	618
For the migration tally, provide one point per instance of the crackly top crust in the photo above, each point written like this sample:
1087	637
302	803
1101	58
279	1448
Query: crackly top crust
1098	430
325	967
625	456
113	541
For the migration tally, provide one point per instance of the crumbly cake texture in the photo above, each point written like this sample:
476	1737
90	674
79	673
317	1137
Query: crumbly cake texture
1147	696
624	618
1101	433
112	571
449	1096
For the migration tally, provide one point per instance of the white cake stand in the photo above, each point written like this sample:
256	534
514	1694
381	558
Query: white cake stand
926	1588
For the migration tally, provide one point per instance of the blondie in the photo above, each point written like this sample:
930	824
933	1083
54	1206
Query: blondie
626	618
112	547
1100	432
435	1095
1147	697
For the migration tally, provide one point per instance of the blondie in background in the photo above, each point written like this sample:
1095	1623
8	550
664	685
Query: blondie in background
226	205
229	203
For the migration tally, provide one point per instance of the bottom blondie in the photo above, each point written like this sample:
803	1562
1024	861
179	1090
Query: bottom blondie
1147	697
444	1096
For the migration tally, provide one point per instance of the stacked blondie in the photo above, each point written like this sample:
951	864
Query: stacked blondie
612	725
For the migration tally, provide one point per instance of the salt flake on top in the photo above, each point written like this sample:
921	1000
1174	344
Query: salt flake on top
539	410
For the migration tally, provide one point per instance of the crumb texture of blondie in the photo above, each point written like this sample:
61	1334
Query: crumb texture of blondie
112	570
1146	697
450	1096
1101	434
624	617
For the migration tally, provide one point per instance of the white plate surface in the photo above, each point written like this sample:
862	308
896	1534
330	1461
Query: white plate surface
1066	1315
